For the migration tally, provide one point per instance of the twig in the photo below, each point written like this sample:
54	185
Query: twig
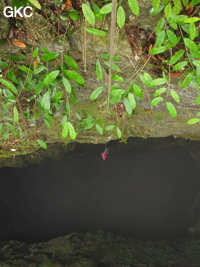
112	36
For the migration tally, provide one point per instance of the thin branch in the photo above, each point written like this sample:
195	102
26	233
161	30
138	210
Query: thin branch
112	36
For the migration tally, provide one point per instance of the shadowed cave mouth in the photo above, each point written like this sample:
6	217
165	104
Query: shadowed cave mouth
146	188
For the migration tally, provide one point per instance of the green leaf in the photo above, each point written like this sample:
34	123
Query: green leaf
16	116
185	3
187	80
158	81
88	14
190	44
49	56
160	38
42	143
72	132
180	65
175	95
3	64
193	121
131	99
168	10
99	70
57	96
171	36
96	93
121	17
24	68
110	127
134	6
114	66
65	129
45	102
95	31
156	100
177	5
197	101
117	78
127	106
35	52
117	92
35	3
137	90
38	88
106	9
192	31
196	63
157	50
71	62
9	85
160	25
119	133
67	85
195	53
176	57
190	20
39	69
159	91
145	78
51	77
194	2
99	129
155	4
171	109
75	76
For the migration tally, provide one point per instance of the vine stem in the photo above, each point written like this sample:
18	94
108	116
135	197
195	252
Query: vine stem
112	36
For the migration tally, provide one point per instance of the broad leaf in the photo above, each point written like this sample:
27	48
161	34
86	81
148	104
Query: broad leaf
119	133
121	17
156	100
117	78
160	25
42	143
9	85
65	129
190	44
197	101
35	3
99	129
157	50
99	70
49	56
51	77
175	95
171	109
106	9
187	80
72	132
193	121
134	6
180	65
131	99
16	116
168	10
67	85
127	106
137	90
45	102
110	127
158	81
74	76
95	31
71	62
159	91
190	20
88	14
155	4
176	57
196	63
96	93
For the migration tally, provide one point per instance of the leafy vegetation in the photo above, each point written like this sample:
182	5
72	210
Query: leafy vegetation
49	84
